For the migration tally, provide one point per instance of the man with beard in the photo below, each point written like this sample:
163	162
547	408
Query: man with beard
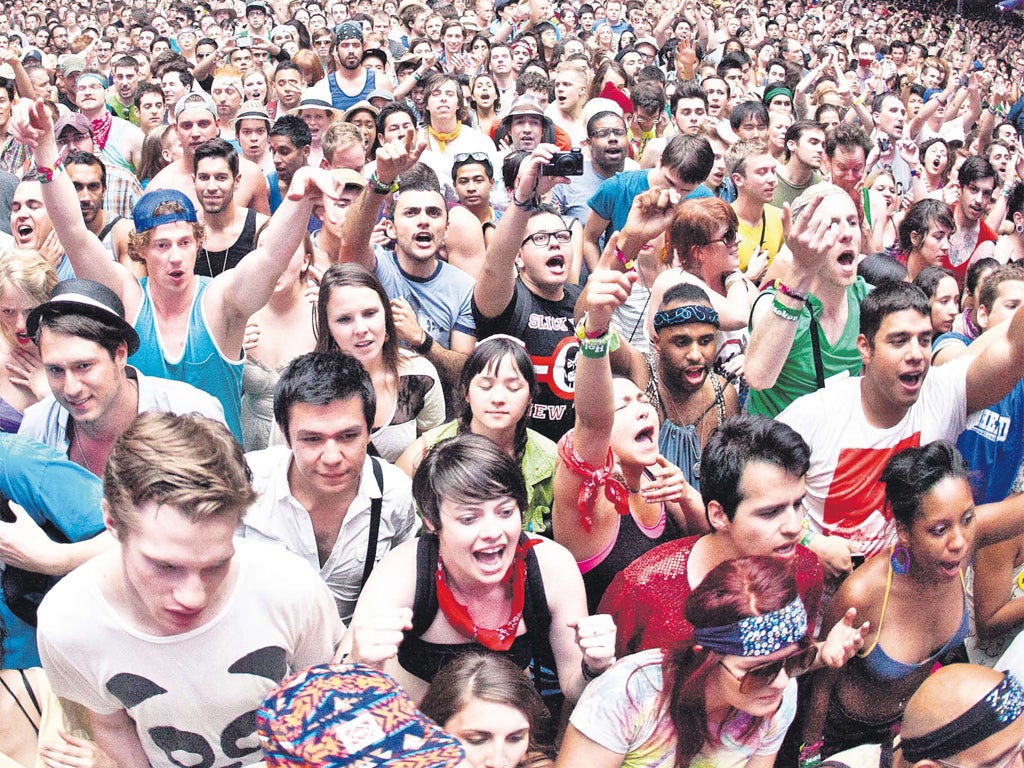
121	101
121	188
537	306
89	176
606	139
117	141
227	95
350	82
195	121
805	148
230	229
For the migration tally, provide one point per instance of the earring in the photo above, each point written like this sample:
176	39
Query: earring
900	559
1019	228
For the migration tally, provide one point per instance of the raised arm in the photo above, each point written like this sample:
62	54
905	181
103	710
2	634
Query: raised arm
32	125
496	281
772	334
994	372
241	291
392	159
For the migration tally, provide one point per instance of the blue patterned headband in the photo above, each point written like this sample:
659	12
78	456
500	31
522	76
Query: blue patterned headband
688	313
756	635
1000	707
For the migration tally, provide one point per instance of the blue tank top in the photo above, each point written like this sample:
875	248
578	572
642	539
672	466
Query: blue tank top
882	666
201	363
341	100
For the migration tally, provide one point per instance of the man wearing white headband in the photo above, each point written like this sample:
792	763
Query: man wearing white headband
117	141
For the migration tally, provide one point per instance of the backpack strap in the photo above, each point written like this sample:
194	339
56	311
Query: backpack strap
375	507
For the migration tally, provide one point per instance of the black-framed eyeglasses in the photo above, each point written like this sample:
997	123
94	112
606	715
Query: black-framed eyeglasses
757	678
604	133
541	239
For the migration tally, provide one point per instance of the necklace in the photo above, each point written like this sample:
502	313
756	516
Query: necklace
82	455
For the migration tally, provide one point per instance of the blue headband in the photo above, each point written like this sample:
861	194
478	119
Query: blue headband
756	635
688	313
1000	707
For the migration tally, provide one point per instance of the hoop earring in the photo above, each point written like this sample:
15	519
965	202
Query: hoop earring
900	559
1019	228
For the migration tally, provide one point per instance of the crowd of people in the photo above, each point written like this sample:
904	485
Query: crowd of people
511	383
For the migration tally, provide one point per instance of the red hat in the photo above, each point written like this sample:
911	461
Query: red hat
610	91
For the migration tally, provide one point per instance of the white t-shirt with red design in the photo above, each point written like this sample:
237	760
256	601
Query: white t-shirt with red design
844	496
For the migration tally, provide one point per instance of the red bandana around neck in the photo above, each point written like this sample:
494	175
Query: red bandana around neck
501	638
101	129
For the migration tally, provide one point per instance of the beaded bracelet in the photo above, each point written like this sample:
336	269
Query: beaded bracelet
785	290
47	174
627	263
781	310
380	187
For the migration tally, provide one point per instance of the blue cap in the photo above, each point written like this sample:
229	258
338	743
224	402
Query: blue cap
148	203
929	93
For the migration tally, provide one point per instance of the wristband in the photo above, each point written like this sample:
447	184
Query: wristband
601	346
629	264
47	174
785	290
810	754
781	310
380	187
526	205
425	346
588	673
915	174
581	329
806	534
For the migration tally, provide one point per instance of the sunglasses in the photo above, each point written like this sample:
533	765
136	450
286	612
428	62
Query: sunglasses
758	678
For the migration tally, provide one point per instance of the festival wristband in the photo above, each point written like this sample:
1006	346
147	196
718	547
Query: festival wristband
806	534
47	174
781	310
598	348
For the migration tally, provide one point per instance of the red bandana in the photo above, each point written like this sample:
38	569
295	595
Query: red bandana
101	129
501	638
593	478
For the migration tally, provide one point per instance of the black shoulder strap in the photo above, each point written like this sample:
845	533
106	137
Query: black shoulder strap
375	505
108	227
819	369
424	604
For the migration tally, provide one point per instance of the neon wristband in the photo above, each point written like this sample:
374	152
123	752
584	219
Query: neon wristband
47	174
785	290
598	348
380	187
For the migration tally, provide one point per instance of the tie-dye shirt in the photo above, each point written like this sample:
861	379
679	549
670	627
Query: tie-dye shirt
619	711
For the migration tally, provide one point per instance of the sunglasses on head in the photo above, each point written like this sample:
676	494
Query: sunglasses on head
758	678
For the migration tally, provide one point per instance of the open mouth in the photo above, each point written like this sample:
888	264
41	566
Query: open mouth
912	380
556	262
25	232
177	274
423	238
645	436
847	258
490	558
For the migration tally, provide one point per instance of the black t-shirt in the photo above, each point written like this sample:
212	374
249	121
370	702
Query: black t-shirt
547	330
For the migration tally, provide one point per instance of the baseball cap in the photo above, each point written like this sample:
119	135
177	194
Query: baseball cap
195	100
349	178
76	121
85	297
315	98
71	63
349	715
146	219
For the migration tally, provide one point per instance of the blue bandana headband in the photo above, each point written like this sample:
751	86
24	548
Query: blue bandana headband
688	313
1000	707
756	635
